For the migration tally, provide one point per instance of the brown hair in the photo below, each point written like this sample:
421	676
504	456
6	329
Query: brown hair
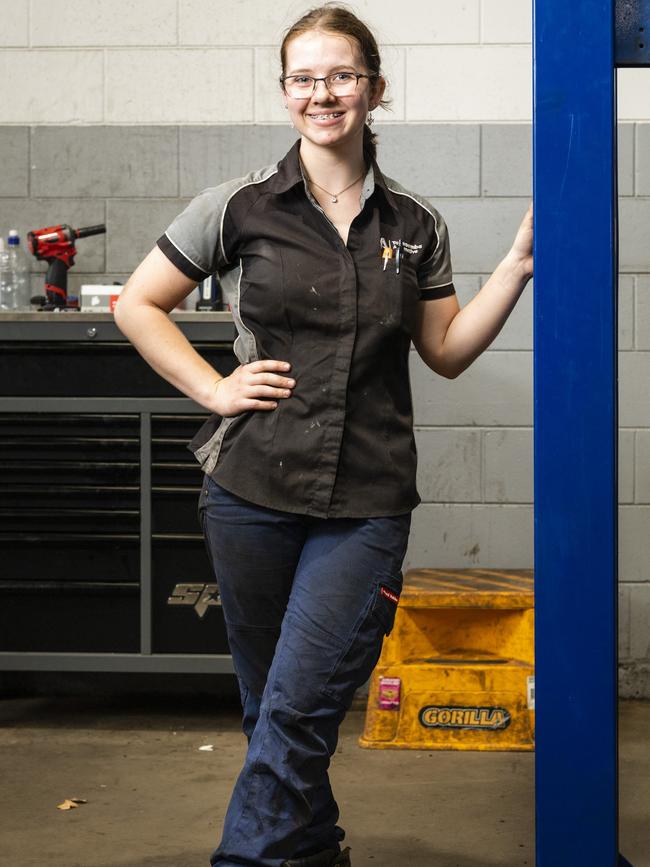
342	21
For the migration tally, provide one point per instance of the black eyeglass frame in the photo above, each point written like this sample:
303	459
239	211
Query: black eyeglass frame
357	75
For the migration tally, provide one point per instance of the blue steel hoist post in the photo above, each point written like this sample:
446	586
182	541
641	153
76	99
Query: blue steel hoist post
577	46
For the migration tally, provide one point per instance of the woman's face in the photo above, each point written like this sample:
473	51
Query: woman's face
327	120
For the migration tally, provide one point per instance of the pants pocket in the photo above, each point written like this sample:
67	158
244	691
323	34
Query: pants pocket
386	602
359	656
200	514
200	505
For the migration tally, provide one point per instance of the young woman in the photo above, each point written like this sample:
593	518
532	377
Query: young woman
331	270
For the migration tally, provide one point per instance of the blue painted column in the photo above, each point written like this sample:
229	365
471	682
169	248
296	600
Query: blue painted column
575	433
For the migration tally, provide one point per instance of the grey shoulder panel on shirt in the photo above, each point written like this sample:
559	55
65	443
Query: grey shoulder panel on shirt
397	188
434	272
195	241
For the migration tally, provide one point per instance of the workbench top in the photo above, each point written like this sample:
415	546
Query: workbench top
89	316
99	327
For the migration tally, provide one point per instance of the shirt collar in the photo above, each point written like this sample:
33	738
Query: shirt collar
289	170
290	174
376	180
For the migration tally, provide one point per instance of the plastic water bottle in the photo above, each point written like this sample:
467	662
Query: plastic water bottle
20	271
8	299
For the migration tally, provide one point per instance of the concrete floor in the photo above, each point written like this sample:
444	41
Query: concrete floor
155	800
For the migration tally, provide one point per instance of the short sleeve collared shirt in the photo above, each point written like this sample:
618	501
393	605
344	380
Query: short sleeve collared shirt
342	314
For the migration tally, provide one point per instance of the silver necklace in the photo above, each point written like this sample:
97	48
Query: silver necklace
335	196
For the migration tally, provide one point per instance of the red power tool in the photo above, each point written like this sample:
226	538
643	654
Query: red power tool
56	246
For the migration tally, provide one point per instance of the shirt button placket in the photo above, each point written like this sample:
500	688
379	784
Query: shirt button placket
333	436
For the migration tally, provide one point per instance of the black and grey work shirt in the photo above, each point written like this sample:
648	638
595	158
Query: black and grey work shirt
342	314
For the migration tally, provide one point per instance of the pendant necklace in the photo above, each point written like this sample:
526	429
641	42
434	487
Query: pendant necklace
335	196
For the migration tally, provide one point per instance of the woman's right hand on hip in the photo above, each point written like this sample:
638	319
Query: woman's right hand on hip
255	386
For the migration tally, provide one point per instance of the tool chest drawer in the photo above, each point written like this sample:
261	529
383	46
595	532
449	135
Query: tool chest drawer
187	613
103	369
104	566
187	616
70	531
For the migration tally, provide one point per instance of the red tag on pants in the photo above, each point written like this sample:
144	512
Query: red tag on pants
389	594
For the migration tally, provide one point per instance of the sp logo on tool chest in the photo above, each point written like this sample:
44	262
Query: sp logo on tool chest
483	718
201	596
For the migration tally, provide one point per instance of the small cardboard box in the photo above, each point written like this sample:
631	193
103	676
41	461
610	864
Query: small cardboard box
99	299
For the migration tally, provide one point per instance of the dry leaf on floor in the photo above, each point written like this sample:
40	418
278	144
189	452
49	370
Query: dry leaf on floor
71	803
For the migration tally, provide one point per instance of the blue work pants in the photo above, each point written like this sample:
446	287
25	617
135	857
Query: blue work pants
307	602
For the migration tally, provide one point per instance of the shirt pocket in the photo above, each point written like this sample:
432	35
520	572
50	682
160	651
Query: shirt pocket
400	296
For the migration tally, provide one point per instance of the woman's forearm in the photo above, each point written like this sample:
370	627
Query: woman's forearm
165	348
478	323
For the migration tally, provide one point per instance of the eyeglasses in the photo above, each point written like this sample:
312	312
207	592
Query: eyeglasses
338	84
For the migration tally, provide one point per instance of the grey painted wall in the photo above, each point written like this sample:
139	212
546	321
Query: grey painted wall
474	434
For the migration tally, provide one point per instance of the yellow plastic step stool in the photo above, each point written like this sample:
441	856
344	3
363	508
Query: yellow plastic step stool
457	670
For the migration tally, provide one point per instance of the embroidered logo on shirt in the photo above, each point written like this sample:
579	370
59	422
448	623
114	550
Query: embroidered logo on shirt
389	244
389	594
391	250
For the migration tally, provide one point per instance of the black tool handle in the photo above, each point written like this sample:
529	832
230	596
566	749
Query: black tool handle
56	283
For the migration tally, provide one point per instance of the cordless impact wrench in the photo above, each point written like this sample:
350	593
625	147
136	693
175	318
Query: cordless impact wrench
55	245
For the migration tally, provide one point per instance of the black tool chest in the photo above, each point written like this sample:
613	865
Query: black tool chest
102	562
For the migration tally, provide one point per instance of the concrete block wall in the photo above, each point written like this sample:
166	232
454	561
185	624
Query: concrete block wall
119	111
